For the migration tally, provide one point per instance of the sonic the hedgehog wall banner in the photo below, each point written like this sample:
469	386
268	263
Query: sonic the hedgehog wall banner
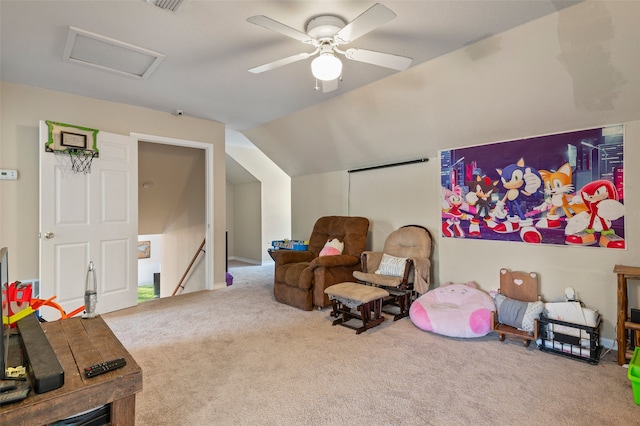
563	189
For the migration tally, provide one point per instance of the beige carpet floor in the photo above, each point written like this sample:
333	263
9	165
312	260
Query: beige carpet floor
235	356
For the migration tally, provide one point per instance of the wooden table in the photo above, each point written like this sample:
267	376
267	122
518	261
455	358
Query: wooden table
625	273
79	343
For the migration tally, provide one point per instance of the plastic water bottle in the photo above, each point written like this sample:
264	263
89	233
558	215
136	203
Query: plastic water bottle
90	292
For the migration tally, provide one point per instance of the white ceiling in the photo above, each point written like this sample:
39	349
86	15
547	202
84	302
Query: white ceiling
209	46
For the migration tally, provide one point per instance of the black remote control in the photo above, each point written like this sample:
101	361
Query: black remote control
103	367
14	395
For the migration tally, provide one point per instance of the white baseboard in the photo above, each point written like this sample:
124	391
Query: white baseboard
608	343
218	286
245	260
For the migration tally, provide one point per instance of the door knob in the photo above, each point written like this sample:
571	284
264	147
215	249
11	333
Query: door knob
49	235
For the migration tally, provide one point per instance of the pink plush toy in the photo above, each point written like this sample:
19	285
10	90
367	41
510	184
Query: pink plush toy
332	247
455	310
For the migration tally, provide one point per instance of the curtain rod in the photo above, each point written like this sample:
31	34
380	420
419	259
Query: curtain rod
403	163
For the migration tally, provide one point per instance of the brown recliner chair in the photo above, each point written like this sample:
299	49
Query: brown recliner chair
301	277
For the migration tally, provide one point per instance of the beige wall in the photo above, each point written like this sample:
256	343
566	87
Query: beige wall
572	70
273	205
183	236
248	212
22	107
230	219
313	196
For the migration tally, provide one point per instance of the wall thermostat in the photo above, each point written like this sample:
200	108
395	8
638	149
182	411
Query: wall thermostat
9	174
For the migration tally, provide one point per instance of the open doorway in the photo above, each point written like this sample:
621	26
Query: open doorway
172	218
149	266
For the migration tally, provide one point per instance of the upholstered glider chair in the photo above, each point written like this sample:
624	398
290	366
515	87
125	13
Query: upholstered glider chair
301	277
402	268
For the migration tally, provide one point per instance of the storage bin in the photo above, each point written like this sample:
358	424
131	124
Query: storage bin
576	341
634	375
289	245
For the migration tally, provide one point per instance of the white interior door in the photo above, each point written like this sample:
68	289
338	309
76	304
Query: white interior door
89	217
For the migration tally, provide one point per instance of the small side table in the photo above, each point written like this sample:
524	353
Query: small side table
625	273
79	343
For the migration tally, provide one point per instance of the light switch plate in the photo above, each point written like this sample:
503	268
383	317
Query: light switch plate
9	174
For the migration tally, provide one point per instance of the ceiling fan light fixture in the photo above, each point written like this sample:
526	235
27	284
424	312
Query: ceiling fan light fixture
326	67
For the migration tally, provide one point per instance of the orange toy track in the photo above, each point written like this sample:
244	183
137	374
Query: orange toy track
37	303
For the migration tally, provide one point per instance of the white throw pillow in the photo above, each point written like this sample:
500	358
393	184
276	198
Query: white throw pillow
391	265
534	309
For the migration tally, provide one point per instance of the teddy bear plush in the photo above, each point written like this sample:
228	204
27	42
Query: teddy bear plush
455	310
332	247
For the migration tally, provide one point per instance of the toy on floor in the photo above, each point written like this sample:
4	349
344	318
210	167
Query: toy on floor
18	303
455	310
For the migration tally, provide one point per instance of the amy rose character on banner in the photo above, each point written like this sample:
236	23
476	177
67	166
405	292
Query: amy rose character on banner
519	181
452	205
479	196
601	199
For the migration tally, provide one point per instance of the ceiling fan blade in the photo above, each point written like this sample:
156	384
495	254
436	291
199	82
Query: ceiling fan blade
387	60
330	85
280	62
369	20
278	27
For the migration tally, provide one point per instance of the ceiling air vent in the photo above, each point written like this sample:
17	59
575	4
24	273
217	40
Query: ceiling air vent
171	5
98	51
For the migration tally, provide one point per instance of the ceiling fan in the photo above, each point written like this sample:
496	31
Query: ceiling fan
326	33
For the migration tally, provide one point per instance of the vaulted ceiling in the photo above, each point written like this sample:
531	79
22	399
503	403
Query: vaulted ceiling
207	48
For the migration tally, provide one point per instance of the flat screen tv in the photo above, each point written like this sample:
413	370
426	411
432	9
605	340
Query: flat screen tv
4	284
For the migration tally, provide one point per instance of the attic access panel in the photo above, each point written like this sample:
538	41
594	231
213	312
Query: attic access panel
98	51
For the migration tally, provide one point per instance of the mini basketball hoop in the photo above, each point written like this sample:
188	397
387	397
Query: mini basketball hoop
77	143
81	159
